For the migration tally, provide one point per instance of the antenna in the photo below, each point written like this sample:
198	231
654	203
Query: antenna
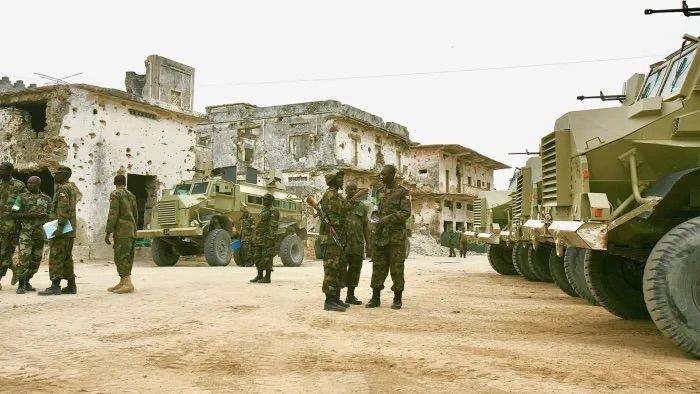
57	81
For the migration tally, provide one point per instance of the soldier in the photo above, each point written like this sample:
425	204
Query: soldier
35	210
264	239
335	207
61	245
122	222
389	251
357	242
246	226
10	189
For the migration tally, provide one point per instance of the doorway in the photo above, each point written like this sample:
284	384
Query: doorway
447	226
47	184
145	189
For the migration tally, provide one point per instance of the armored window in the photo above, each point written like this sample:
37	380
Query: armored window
255	200
677	74
200	188
651	85
182	189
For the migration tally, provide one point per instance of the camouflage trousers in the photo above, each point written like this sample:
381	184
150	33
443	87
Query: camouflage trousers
385	259
8	243
247	252
31	250
333	276
351	269
262	256
61	259
124	255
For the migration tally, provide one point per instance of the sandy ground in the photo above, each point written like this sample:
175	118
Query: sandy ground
194	328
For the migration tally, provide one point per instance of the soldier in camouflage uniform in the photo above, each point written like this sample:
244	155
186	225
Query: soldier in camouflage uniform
389	251
264	239
35	208
246	226
61	245
122	222
10	189
334	206
357	242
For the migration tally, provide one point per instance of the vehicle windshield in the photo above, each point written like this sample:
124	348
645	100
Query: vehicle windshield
200	188
651	85
182	189
677	74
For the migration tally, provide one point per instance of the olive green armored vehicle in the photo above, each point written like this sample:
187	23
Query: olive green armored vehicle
620	198
200	216
492	218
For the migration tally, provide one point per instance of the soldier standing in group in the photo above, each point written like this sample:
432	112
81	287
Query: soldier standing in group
246	226
389	251
334	206
35	209
122	222
61	245
10	189
264	238
357	242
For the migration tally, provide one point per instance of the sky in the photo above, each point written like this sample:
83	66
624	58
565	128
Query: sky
479	74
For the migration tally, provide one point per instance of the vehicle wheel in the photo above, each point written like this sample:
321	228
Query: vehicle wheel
163	253
318	249
520	261
292	251
616	283
573	266
495	254
556	269
672	285
538	262
217	248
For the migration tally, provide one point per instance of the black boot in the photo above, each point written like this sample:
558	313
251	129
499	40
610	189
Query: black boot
27	285
20	287
70	287
350	297
54	289
257	278
331	305
374	301
266	279
397	300
339	302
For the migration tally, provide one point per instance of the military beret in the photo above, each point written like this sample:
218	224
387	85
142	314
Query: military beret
330	176
268	196
64	169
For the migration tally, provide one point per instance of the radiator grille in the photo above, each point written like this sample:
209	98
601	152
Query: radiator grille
549	170
518	197
167	213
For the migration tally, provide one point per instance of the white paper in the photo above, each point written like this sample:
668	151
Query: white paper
50	228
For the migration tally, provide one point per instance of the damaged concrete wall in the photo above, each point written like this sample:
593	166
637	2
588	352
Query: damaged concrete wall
7	86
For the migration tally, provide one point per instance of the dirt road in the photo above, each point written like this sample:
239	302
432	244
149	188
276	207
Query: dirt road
193	328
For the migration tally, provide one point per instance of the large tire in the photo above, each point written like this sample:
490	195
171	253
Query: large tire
556	268
163	253
672	285
496	257
538	262
292	251
520	261
574	259
616	283
217	248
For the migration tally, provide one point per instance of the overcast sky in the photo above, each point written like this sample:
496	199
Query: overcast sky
237	46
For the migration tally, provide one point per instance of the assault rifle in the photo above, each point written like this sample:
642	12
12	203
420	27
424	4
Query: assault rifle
318	212
687	11
603	97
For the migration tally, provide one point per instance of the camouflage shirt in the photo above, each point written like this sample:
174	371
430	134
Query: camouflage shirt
394	204
35	203
266	228
123	214
246	226
9	191
64	201
354	228
335	207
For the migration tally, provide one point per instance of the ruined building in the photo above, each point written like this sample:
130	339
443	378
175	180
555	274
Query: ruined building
100	132
446	180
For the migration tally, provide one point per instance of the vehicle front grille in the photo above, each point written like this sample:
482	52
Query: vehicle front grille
167	213
518	198
477	214
549	170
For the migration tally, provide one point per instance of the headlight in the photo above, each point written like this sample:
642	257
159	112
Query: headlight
194	223
148	226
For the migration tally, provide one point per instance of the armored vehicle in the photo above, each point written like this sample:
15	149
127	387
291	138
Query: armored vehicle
620	198
492	218
200	216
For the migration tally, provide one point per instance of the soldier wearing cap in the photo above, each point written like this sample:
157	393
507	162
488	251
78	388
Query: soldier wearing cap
246	226
61	243
264	239
335	207
10	189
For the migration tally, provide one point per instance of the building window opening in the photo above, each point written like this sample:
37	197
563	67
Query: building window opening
145	189
448	204
47	184
176	98
459	205
478	183
447	226
469	181
447	181
299	146
248	154
459	226
37	115
488	185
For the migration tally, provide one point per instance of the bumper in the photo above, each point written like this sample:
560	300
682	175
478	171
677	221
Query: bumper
587	235
170	232
488	238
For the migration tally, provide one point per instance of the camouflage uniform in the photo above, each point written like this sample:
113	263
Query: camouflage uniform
389	252
61	255
122	222
335	207
31	236
355	224
264	238
246	224
9	231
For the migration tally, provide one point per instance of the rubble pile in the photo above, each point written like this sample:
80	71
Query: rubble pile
424	244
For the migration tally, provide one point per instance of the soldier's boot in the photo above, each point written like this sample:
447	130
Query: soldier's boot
14	279
397	300
54	289
374	301
20	288
127	287
258	277
118	285
338	300
27	285
330	304
350	297
266	279
70	287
